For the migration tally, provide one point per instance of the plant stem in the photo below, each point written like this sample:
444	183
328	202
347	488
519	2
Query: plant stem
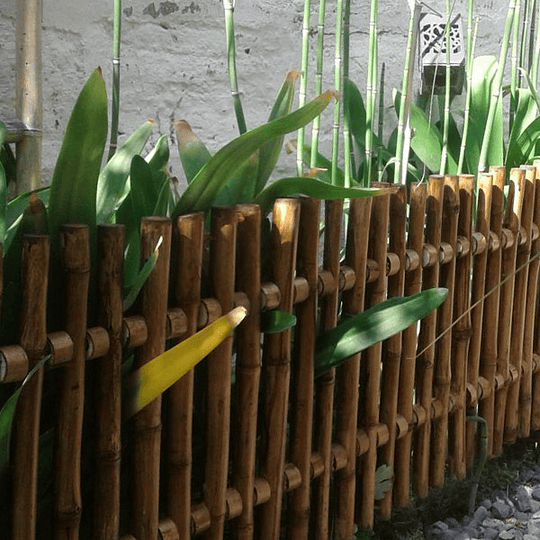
228	6
337	85
446	120
117	31
514	82
381	123
303	86
534	67
347	142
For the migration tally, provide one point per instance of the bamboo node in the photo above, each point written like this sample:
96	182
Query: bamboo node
362	442
479	243
97	342
419	415
135	331
316	465
326	283
472	394
200	518
393	264
340	457
13	363
446	253
167	530
535	232
176	323
241	299
464	246
209	312
507	238
372	271
300	290
535	362
412	260
430	255
514	373
292	478
261	491
270	296
499	381
522	236
347	278
60	346
484	388
382	434
402	426
494	241
437	409
233	504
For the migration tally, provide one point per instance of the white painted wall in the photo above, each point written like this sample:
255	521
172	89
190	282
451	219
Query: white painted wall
174	64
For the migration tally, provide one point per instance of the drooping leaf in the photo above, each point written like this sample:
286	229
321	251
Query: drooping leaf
378	323
193	153
355	109
275	321
241	187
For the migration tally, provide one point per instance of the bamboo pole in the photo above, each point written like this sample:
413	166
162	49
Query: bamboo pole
29	100
349	372
333	217
302	94
222	275
147	422
461	334
490	324
393	352
276	365
524	212
248	364
109	386
302	394
188	237
68	505
33	340
428	332
371	375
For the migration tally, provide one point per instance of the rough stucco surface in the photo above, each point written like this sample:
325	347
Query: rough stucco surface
174	63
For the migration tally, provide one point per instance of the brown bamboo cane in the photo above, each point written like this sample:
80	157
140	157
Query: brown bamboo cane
375	293
428	332
75	249
525	214
276	365
490	323
109	388
188	237
508	264
333	217
33	339
526	390
147	422
393	350
302	382
349	372
248	365
413	285
222	276
479	260
461	333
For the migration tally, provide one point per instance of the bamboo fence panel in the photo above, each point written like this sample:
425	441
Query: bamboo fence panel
303	383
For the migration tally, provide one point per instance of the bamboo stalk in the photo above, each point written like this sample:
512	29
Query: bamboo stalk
371	90
188	239
115	112
222	275
428	332
68	505
302	395
514	65
534	66
348	374
147	422
29	99
303	86
109	389
446	118
413	285
33	340
248	364
393	352
348	152
380	166
337	87
276	365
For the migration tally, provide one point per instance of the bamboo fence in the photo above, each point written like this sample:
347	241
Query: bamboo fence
249	444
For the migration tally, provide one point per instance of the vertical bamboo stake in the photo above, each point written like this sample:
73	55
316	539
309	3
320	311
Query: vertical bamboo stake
222	272
490	324
525	214
392	356
109	389
325	384
302	395
461	335
276	365
375	293
535	410
349	372
188	238
337	87
428	332
75	247
248	363
33	340
29	106
115	108
413	285
147	422
303	86
478	286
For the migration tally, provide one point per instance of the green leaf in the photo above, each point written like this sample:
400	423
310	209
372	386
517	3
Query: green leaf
203	189
522	149
159	156
275	321
144	192
355	109
383	481
193	153
113	177
75	178
241	187
378	323
321	162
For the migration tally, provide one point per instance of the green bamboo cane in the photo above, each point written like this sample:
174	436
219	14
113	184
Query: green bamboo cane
347	142
470	12
530	57
228	6
115	110
525	29
337	85
536	59
446	119
380	166
514	63
497	83
303	86
318	80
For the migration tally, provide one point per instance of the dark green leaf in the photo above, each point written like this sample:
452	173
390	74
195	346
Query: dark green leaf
275	321
193	153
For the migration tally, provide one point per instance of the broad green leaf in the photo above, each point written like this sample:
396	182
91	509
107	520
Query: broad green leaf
275	321
301	185
355	109
113	177
203	189
159	155
241	187
378	323
193	153
75	178
522	150
526	112
144	191
15	207
131	291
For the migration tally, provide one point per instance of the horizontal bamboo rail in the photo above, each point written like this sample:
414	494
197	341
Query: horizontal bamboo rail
249	441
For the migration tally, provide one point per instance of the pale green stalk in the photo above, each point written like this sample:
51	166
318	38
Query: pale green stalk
347	143
534	67
228	6
525	29
497	84
303	86
530	57
446	119
514	63
380	166
318	80
469	57
115	111
337	85
371	91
